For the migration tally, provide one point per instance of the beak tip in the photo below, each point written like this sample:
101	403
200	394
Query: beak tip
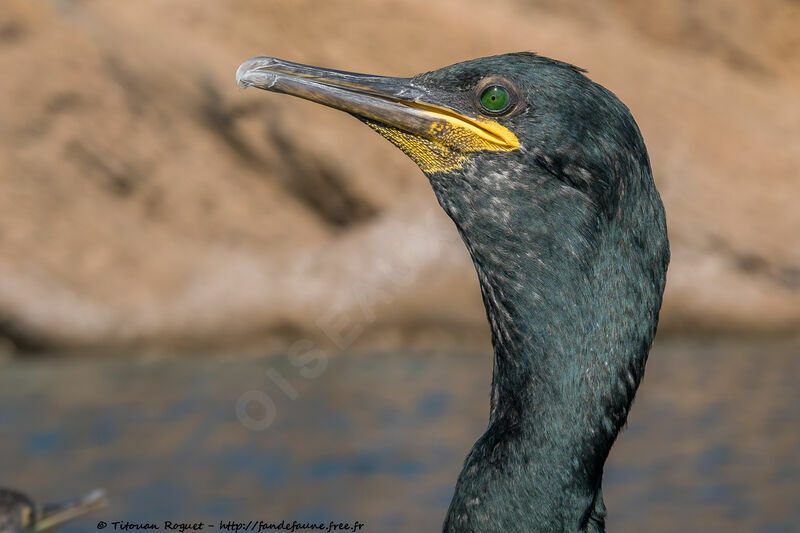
241	74
254	72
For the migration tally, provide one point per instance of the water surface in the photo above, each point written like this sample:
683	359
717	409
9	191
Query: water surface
713	441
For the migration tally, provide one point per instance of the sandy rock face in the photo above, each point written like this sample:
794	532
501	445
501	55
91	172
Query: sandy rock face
143	198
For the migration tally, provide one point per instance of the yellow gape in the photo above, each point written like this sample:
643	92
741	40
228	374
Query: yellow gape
450	138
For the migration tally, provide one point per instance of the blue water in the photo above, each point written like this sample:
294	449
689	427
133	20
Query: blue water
713	441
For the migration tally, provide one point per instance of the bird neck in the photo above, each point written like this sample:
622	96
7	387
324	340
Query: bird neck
572	315
560	393
557	380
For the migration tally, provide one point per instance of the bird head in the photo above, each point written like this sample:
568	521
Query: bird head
535	163
19	513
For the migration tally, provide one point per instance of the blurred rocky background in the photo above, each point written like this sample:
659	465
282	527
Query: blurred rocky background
145	200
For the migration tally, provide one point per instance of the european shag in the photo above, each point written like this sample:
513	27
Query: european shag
547	179
19	513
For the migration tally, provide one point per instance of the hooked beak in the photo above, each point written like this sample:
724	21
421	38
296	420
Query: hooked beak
434	135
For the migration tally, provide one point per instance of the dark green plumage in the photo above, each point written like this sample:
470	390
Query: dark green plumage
17	511
569	240
568	237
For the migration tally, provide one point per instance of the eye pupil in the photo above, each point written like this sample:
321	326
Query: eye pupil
495	98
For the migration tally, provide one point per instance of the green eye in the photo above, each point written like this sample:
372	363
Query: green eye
494	98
